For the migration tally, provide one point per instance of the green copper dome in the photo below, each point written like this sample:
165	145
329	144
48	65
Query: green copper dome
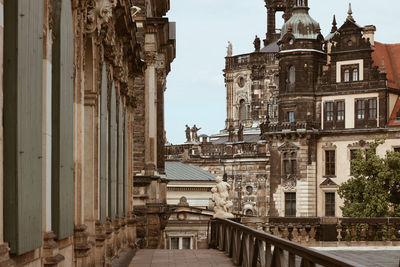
301	24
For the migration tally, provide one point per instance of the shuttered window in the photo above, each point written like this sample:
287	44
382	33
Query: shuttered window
23	99
62	120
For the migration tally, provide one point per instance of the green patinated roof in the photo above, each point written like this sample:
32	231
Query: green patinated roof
301	25
178	171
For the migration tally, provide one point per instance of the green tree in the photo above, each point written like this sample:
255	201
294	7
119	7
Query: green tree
374	189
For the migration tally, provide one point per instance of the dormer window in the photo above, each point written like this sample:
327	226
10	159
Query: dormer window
350	73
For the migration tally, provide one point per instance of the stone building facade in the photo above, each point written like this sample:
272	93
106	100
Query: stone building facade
80	123
310	102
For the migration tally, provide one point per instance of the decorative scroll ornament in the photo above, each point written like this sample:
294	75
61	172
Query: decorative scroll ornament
134	11
99	12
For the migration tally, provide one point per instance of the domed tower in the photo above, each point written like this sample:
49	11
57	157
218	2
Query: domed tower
301	58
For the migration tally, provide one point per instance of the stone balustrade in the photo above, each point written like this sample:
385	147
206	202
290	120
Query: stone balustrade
325	231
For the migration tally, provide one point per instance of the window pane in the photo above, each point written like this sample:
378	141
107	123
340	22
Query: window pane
372	108
329	111
186	243
291	116
347	75
360	109
290	204
397	149
330	162
174	243
355	75
329	204
294	166
286	166
340	111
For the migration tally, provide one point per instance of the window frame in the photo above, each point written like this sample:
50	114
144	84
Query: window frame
330	206
290	200
373	109
330	163
289	113
340	113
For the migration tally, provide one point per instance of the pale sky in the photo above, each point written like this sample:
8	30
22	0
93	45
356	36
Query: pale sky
195	88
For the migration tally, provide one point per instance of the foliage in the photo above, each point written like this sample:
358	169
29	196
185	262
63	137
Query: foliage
374	190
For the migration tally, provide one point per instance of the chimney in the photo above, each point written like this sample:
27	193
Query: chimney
369	33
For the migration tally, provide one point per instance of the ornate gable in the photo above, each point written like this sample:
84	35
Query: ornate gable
288	146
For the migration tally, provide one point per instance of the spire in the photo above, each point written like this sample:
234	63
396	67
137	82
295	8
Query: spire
350	13
334	28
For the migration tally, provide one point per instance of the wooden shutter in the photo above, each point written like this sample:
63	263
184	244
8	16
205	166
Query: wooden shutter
103	145
23	94
62	120
112	182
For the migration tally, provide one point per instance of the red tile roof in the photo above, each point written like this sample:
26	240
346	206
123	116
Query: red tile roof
391	54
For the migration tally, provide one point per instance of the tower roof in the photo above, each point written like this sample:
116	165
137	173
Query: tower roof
301	24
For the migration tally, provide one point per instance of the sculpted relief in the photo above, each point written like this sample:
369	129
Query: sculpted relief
98	13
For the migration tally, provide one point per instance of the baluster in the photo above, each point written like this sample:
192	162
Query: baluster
285	231
307	229
278	259
312	233
268	255
379	232
255	253
303	233
295	233
261	254
363	234
292	260
339	229
353	232
389	231
242	250
347	231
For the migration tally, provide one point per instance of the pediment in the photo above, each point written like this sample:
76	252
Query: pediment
328	183
288	146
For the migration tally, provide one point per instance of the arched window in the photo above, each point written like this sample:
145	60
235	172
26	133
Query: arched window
242	110
292	78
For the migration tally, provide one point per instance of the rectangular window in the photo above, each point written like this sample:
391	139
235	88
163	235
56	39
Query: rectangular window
340	110
291	116
186	243
330	162
174	243
355	75
329	111
397	149
372	109
290	204
346	75
286	166
330	204
360	109
294	166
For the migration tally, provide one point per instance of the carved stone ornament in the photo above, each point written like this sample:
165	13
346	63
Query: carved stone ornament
289	183
98	13
134	11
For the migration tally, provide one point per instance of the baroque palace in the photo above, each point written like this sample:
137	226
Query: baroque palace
82	129
298	110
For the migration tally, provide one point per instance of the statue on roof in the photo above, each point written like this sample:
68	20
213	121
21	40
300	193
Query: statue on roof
231	132
229	52
195	138
240	133
187	132
257	44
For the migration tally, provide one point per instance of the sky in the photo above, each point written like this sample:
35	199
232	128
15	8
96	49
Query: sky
195	86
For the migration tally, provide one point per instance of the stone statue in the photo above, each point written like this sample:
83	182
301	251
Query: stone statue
187	132
229	52
240	133
257	44
195	138
220	194
231	131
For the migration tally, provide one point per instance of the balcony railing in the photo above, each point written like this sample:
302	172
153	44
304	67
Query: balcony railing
250	247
